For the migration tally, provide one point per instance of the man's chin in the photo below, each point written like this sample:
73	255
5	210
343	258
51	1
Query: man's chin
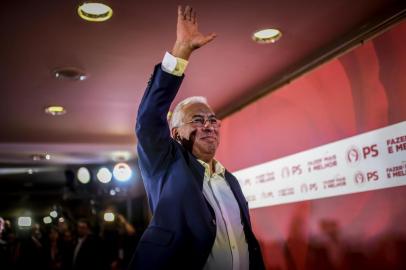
207	145
209	148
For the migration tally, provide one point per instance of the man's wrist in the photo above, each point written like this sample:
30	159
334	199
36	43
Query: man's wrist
181	50
174	65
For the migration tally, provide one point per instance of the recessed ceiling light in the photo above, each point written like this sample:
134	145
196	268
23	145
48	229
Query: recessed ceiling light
95	12
55	110
69	73
267	35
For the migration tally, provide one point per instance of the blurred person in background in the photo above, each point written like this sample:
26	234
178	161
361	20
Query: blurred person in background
53	250
3	246
67	247
128	239
31	248
120	241
12	248
89	251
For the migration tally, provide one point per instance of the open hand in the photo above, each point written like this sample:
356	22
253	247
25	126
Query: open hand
188	37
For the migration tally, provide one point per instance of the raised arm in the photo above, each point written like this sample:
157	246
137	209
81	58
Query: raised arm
152	127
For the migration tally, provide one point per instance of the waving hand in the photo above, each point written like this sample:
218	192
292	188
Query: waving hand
188	37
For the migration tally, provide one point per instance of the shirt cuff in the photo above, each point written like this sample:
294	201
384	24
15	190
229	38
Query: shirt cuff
174	65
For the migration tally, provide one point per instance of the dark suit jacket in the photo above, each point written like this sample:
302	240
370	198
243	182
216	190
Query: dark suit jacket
182	231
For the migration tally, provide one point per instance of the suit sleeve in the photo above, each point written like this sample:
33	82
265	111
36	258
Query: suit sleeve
154	140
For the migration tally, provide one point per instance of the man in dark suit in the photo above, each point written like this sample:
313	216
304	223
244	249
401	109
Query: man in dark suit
200	216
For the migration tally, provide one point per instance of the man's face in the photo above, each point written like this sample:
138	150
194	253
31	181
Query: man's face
201	140
83	229
36	231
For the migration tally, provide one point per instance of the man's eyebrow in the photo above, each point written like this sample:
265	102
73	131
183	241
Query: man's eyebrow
203	115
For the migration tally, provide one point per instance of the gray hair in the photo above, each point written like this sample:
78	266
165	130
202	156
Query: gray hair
176	119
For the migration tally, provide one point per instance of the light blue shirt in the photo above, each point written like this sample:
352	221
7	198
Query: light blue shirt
230	248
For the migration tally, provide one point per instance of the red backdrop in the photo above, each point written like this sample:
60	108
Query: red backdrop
358	92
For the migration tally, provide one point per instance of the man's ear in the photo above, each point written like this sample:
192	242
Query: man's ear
175	134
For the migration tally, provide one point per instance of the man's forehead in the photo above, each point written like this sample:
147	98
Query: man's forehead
197	109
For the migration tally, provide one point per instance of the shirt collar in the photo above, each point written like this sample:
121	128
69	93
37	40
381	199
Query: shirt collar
218	168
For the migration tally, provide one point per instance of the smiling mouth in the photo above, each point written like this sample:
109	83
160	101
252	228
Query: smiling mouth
208	138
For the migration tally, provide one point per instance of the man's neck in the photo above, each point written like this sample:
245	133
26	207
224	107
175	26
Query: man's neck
211	166
211	163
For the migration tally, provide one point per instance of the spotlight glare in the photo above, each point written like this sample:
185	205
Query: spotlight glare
83	175
122	172
109	217
47	219
104	175
24	221
53	214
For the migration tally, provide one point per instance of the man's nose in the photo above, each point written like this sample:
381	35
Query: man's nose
208	125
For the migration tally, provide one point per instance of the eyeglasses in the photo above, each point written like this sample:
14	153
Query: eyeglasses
200	121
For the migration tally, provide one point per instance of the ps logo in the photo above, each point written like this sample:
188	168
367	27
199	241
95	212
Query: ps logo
353	155
359	178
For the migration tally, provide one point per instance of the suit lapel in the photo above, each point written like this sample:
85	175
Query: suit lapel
197	169
239	196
